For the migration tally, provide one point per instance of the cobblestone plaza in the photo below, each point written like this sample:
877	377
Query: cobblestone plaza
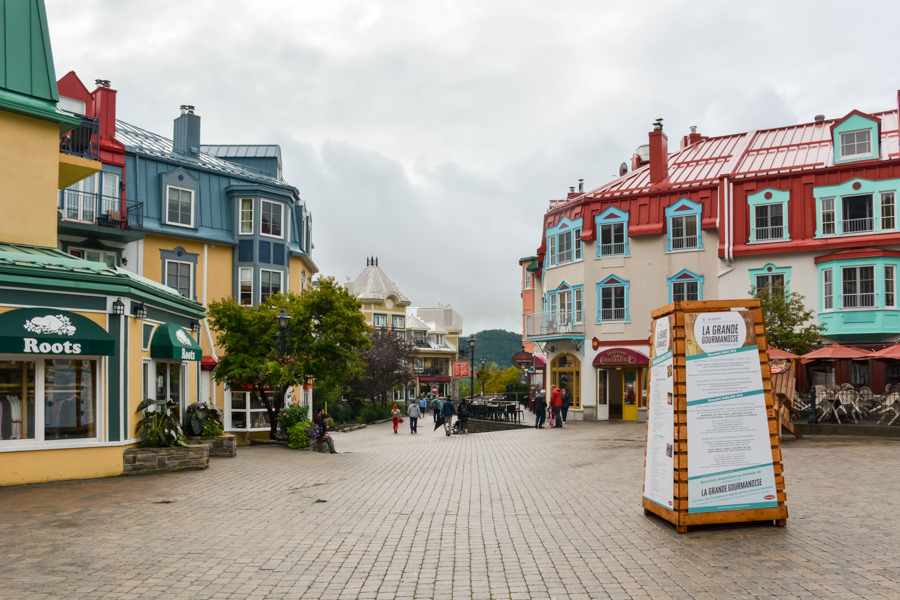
514	514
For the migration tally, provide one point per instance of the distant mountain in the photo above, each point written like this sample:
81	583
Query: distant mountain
495	345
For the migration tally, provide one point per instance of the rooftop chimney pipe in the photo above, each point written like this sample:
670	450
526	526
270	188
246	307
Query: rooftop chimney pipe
659	153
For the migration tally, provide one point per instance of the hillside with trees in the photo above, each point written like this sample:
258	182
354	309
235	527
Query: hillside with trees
495	345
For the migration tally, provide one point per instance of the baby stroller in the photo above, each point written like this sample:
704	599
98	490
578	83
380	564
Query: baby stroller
455	428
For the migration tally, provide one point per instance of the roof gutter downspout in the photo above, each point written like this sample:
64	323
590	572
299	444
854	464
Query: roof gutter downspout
727	192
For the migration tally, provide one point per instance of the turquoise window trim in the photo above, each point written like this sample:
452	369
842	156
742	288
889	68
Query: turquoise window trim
609	216
564	286
865	187
837	281
684	208
856	123
564	227
612	281
774	197
771	269
685	275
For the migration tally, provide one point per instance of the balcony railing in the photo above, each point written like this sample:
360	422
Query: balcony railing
82	141
612	249
94	209
775	232
562	323
858	225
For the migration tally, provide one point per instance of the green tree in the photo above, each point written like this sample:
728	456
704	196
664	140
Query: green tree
787	319
324	334
386	365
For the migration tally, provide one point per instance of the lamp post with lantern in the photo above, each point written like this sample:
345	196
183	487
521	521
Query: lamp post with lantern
482	375
472	342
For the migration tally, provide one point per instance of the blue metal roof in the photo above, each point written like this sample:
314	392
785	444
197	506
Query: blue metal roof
141	141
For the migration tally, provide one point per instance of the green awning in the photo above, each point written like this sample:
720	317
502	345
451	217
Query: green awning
173	342
52	331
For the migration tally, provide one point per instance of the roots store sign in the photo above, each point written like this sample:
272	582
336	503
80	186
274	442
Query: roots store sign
49	331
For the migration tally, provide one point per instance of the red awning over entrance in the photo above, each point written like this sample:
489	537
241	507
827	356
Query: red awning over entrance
434	379
621	357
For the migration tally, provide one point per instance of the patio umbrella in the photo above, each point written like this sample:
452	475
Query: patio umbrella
776	354
889	353
835	352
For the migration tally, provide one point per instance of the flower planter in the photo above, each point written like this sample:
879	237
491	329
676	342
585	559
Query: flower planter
224	446
146	461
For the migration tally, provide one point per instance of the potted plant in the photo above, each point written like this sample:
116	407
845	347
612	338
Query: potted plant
162	446
204	424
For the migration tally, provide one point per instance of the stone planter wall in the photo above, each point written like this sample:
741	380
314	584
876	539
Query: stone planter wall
219	445
145	461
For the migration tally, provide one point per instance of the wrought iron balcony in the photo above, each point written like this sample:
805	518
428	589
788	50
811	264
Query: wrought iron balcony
82	141
560	324
105	211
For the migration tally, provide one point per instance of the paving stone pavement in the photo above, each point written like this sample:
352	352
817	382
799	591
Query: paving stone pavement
513	514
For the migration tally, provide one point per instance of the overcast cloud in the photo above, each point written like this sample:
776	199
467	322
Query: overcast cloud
432	134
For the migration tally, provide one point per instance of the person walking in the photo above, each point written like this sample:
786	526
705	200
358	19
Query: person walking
540	410
436	407
413	413
556	403
463	416
566	403
320	420
395	417
447	409
423	406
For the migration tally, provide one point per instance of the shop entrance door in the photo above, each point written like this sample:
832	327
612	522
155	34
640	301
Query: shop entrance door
630	392
614	393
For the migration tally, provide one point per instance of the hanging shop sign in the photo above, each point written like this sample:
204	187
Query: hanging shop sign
172	342
52	331
620	357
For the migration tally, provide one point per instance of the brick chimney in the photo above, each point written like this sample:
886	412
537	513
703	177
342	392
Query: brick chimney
187	132
105	108
659	153
692	138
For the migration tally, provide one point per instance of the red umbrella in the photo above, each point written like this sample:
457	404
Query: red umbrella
835	352
889	353
776	354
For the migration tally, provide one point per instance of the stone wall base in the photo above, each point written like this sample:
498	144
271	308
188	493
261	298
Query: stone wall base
145	461
224	446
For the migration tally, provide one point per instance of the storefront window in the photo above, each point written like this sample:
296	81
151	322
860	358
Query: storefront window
66	408
16	400
247	413
69	398
168	382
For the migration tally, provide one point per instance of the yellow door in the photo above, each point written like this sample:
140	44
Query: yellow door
630	394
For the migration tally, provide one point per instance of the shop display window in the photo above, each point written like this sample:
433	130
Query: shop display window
247	413
17	400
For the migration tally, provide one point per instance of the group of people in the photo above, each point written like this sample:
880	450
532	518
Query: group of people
444	410
560	401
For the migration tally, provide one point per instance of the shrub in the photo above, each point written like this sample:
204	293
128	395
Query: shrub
158	426
290	415
203	417
374	413
298	435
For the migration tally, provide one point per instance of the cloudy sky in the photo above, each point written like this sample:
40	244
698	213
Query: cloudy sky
432	134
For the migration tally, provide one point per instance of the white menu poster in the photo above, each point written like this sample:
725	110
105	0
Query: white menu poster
659	471
730	453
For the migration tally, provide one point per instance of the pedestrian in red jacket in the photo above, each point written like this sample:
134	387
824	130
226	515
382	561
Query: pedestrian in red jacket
556	403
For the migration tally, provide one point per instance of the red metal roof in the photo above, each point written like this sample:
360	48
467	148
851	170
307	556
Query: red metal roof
769	151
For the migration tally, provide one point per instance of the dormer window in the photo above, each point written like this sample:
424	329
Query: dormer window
856	137
856	143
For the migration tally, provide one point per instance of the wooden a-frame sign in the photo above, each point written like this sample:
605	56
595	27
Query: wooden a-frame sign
712	454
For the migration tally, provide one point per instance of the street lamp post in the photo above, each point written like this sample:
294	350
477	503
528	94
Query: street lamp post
482	376
472	366
282	319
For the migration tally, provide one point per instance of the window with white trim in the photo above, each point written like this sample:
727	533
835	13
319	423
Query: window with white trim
890	286
828	289
564	243
107	258
246	216
685	285
246	413
769	222
379	320
856	143
271	218
888	211
180	206
828	220
612	298
858	287
683	221
269	284
179	275
612	233
856	214
398	321
245	275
